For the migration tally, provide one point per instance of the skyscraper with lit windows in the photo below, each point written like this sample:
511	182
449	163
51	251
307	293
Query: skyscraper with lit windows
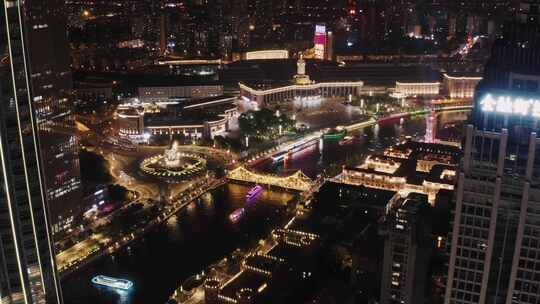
50	82
495	248
27	266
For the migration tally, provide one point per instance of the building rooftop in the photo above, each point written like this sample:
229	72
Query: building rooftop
379	74
264	263
244	280
131	81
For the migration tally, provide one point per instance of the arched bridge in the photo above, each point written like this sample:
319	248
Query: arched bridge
298	181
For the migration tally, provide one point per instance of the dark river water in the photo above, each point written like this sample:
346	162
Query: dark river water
202	234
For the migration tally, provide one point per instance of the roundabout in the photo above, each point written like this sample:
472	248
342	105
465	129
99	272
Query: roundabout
173	164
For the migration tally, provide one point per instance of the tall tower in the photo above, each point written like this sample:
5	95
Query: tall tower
27	265
50	82
163	32
330	46
495	248
320	41
301	77
407	250
431	127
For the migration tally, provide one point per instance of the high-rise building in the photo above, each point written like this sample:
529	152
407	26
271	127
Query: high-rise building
27	263
264	14
320	41
372	23
50	82
163	32
495	248
407	250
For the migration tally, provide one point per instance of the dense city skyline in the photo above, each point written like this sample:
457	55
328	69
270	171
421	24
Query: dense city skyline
270	151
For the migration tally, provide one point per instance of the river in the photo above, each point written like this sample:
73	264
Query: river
202	234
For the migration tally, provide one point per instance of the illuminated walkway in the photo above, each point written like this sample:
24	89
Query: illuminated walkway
298	181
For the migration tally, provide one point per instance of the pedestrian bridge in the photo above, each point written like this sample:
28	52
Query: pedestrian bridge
298	181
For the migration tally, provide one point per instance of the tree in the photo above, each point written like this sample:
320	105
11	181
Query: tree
263	123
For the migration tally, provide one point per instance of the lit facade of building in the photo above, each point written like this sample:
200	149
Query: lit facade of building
263	275
207	129
51	90
187	91
26	246
406	89
131	122
301	89
495	255
432	169
460	87
139	121
266	54
320	41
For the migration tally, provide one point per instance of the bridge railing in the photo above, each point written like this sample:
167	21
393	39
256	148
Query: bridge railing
297	181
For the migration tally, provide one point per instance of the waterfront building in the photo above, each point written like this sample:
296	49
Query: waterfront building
417	167
495	255
407	250
30	102
408	89
193	119
302	91
460	86
263	276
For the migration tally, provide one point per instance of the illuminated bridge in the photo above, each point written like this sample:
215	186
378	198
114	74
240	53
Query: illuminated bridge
298	181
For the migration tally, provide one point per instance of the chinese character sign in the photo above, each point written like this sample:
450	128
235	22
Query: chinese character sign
511	105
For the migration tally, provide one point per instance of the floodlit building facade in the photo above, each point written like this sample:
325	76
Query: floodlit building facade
301	90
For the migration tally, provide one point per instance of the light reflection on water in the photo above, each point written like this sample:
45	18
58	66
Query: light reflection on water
367	141
202	234
187	243
121	296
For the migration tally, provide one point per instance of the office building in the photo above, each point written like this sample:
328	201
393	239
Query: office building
407	250
495	253
51	92
27	256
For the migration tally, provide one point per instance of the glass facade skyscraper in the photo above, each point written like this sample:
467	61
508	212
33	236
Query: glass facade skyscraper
50	82
495	249
32	102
